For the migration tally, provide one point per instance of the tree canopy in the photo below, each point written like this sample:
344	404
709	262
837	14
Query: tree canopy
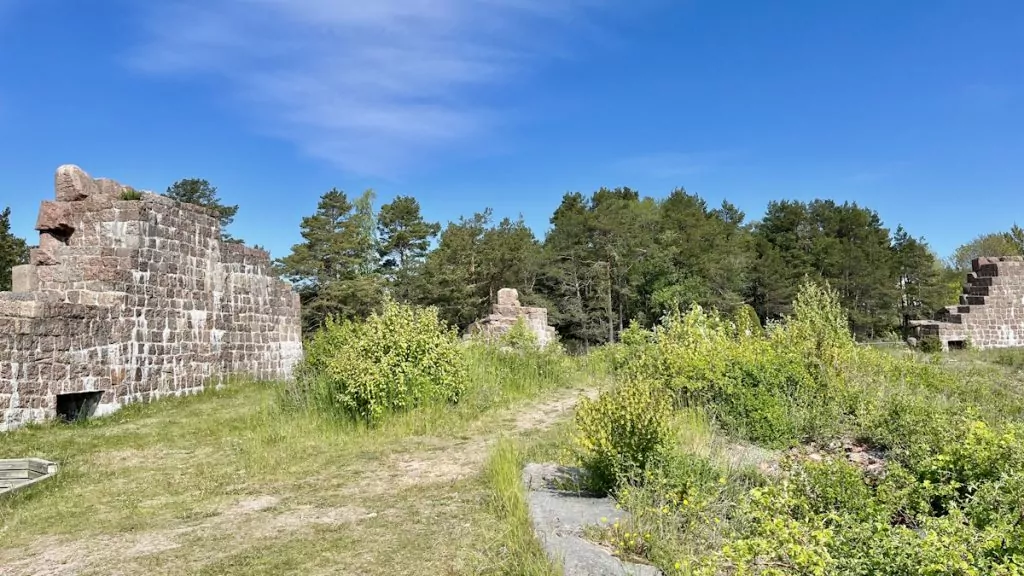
614	257
202	193
13	250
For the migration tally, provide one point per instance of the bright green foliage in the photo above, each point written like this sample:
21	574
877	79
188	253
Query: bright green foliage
131	194
622	433
747	323
819	327
202	193
519	337
13	250
950	501
771	389
397	359
503	471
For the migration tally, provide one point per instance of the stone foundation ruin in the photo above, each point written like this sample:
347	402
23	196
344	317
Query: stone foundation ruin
991	309
504	315
130	300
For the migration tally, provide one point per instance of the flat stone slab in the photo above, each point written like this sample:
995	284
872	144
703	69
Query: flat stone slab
559	518
19	473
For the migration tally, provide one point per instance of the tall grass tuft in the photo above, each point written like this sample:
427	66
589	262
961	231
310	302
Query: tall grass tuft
522	554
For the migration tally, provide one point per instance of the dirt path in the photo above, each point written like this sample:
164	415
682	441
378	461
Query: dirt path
451	460
436	461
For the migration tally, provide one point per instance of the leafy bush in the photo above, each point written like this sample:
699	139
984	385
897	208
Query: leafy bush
775	387
950	501
930	345
397	359
520	337
747	322
622	433
131	194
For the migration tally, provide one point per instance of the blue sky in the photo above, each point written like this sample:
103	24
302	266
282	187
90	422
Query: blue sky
913	108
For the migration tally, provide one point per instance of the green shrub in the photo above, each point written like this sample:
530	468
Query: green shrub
397	359
747	322
622	433
775	388
950	500
131	194
930	345
520	337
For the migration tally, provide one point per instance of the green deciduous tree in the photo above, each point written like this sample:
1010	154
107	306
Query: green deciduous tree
335	266
990	245
200	192
13	250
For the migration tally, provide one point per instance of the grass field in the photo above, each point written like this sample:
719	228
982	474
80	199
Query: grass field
226	483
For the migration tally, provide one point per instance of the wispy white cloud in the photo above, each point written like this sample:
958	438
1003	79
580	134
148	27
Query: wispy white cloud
371	85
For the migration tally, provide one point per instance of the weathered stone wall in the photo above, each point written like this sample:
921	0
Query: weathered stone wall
136	299
506	312
991	309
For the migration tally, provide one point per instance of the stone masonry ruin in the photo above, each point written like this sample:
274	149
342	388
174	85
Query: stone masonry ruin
991	309
129	300
506	312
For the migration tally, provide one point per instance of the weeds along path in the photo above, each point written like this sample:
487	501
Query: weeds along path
219	485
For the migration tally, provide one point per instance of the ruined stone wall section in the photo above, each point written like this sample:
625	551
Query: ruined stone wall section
254	341
991	309
136	299
506	312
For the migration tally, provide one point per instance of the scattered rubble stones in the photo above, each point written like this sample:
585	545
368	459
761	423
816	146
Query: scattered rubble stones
504	315
871	461
136	299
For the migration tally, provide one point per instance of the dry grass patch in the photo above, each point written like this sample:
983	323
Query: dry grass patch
225	483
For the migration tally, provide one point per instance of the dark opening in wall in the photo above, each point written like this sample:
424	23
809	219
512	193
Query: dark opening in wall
77	405
61	235
957	345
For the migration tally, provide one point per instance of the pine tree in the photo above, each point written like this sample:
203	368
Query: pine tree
334	268
404	234
200	192
13	250
404	239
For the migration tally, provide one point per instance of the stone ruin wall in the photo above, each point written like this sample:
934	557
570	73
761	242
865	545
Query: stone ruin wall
991	309
504	315
133	300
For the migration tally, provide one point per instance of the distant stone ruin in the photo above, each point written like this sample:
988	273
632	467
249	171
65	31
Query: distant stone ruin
991	309
129	300
504	315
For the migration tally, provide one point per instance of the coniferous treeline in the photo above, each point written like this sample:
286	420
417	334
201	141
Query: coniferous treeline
607	259
615	257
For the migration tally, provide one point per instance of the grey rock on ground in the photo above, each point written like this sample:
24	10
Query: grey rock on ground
559	518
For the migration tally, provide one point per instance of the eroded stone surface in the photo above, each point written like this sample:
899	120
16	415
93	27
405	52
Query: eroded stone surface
506	312
559	519
991	309
137	300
